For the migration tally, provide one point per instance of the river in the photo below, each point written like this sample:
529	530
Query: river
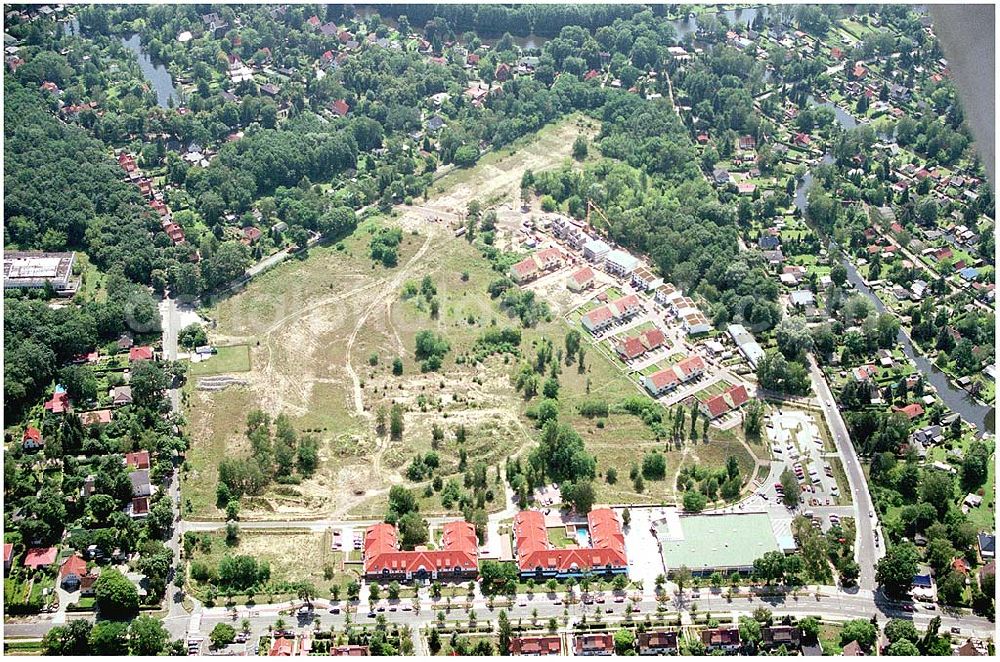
685	26
956	399
156	74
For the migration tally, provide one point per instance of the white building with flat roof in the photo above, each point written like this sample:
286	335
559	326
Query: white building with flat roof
33	269
745	342
621	263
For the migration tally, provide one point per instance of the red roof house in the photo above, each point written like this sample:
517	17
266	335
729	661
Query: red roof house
594	644
39	557
96	417
137	460
457	557
59	403
590	75
32	439
537	558
631	348
549	645
502	72
912	411
8	555
251	234
144	353
340	107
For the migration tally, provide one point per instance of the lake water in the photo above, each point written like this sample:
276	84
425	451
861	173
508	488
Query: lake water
685	26
956	399
844	118
156	74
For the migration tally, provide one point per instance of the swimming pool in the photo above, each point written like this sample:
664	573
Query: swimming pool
583	537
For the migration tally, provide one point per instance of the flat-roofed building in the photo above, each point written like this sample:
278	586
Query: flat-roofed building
33	269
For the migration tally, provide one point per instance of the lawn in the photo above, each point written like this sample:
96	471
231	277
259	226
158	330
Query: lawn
294	556
234	358
558	537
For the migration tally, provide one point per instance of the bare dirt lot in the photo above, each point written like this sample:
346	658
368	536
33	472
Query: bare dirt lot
323	332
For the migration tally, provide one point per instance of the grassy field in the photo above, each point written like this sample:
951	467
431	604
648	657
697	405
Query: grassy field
235	358
293	557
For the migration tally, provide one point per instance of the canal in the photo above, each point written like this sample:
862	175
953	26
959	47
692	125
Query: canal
959	401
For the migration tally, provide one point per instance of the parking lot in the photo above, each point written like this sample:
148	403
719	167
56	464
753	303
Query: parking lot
796	442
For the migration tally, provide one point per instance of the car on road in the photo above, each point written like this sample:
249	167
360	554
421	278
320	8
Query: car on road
609	610
619	599
334	610
930	607
600	599
371	614
906	607
871	514
956	630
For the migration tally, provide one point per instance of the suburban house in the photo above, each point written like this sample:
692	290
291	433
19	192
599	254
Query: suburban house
635	346
72	573
138	507
973	648
781	635
853	649
644	279
669	378
620	263
59	402
96	417
40	557
729	400
658	643
121	395
864	372
8	556
581	280
543	645
536	264
912	411
665	294
594	644
141	487
600	318
282	647
144	353
695	323
457	557
595	250
32	439
721	638
987	545
349	650
538	559
137	460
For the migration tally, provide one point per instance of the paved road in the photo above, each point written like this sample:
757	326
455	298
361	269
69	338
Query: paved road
832	604
866	551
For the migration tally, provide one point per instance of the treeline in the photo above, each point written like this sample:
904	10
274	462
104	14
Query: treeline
494	20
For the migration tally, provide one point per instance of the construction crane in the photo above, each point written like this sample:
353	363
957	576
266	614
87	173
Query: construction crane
593	205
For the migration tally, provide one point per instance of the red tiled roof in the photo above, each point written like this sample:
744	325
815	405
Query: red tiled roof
911	410
144	353
32	433
459	549
631	348
8	552
600	315
535	551
281	647
525	267
38	557
583	275
663	378
96	417
58	404
589	643
652	338
716	406
73	565
690	365
137	460
550	645
340	107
